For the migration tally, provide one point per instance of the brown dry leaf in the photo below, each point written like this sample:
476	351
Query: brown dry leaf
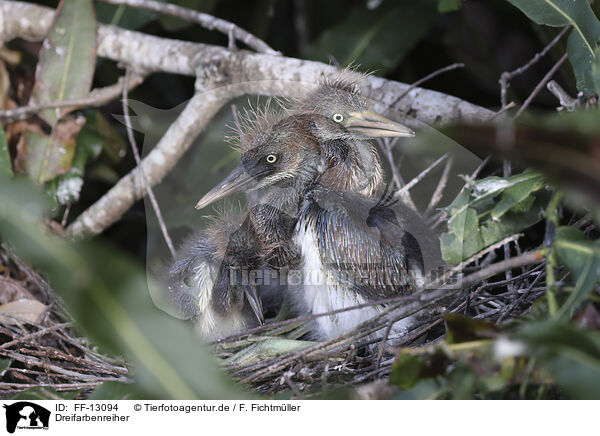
47	157
25	309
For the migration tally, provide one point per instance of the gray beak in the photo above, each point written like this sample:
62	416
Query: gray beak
234	182
374	125
255	303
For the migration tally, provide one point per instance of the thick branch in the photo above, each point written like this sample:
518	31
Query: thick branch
205	20
230	73
261	73
194	118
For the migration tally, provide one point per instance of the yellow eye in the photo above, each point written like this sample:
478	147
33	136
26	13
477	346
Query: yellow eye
271	158
338	118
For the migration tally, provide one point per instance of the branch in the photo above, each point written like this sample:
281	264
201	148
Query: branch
205	20
261	73
222	74
96	97
176	140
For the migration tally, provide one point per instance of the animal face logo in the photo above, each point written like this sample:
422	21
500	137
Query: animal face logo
24	414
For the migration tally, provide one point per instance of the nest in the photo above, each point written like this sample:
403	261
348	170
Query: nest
39	346
356	357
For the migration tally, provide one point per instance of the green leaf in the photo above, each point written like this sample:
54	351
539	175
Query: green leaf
376	39
462	239
582	258
68	57
116	391
406	371
460	328
584	38
5	163
449	5
570	355
518	192
107	294
478	220
596	71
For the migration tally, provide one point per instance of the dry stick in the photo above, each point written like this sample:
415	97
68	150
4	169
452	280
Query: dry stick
96	97
416	303
428	77
57	386
175	141
566	101
205	20
475	257
473	175
386	335
258	73
439	190
300	319
32	361
507	76
386	146
540	85
506	172
138	161
34	335
420	176
520	299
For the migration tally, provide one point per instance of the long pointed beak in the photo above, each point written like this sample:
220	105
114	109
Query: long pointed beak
374	125
234	182
255	303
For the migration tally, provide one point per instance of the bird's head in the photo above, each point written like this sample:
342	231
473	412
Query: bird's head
273	154
340	111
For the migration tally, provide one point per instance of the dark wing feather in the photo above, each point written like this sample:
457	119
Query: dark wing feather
370	245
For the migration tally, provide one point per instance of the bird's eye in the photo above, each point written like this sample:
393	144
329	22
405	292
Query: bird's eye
338	118
271	158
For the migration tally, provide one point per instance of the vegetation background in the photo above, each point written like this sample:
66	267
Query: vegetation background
549	349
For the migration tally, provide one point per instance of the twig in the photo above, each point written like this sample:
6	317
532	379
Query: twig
253	73
439	190
527	258
96	97
476	256
156	164
507	76
420	176
386	334
428	77
542	83
32	361
138	162
205	20
566	101
34	335
473	175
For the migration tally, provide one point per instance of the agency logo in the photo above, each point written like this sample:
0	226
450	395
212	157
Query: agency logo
26	415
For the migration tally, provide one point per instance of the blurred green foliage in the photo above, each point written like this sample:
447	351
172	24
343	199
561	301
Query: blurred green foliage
107	291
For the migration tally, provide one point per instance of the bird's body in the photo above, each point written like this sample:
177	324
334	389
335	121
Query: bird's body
206	280
356	250
315	174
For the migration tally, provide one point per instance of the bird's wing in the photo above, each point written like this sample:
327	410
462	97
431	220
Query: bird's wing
367	243
212	269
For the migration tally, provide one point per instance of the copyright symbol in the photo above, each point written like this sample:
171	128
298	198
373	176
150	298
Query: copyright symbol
137	407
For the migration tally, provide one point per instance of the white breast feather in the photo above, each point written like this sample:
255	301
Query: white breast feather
322	292
209	323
